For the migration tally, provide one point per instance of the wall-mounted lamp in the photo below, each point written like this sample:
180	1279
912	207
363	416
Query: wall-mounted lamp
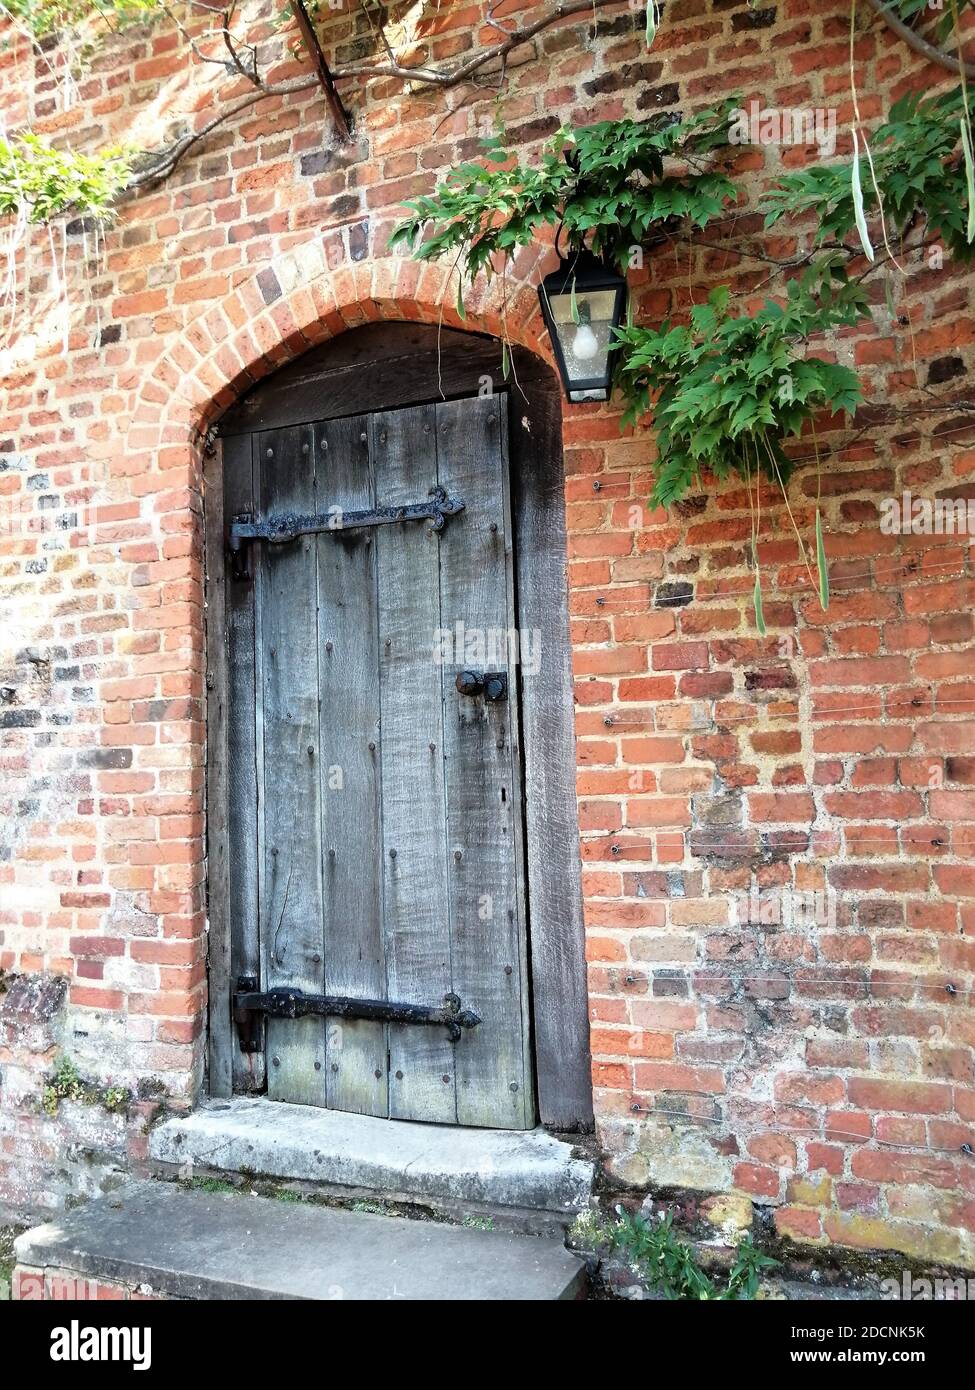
582	303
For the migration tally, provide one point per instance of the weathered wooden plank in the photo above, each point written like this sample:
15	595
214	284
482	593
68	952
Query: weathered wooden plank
291	905
241	755
481	770
348	656
219	917
380	366
560	1006
421	1059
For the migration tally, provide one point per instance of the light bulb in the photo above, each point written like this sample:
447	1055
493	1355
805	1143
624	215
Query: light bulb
585	344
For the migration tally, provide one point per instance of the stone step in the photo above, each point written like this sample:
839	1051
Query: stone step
524	1173
193	1244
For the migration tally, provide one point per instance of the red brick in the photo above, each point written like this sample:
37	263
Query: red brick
911	1098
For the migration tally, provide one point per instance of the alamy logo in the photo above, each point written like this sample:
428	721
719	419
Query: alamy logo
788	908
908	515
77	1343
490	646
771	125
911	1289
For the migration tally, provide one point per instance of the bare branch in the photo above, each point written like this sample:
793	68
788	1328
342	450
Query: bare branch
193	43
250	73
166	160
920	44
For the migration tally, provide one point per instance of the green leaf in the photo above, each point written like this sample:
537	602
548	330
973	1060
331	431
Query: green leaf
859	213
757	601
462	312
966	144
821	563
653	19
505	360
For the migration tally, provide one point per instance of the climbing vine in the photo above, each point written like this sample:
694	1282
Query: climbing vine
40	183
729	387
917	177
610	186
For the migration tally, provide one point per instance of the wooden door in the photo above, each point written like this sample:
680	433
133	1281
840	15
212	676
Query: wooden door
375	814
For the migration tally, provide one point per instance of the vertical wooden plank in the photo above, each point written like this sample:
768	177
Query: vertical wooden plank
220	1041
481	771
291	906
416	925
560	1004
348	657
241	755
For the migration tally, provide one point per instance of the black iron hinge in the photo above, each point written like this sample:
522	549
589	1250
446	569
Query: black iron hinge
250	1004
278	530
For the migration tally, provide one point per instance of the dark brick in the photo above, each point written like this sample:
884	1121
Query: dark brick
622	24
673	594
316	162
540	129
770	680
106	758
753	19
269	285
668	95
345	206
19	718
944	368
668	984
359	241
622	77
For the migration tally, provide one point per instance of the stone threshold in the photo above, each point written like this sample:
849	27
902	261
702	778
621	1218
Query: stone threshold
527	1176
158	1239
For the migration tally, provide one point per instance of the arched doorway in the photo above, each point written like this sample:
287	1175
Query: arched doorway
393	850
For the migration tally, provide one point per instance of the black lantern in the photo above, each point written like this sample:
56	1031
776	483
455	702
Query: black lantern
582	304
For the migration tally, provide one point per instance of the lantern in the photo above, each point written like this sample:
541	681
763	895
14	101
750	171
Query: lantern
582	304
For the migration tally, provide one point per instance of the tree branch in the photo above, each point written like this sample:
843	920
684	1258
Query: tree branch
885	8
442	78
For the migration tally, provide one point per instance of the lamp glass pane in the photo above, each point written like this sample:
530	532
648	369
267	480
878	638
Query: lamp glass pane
585	345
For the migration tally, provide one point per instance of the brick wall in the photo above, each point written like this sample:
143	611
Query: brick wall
777	832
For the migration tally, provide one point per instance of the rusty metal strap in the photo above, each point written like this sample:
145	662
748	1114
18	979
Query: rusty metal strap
278	530
250	1003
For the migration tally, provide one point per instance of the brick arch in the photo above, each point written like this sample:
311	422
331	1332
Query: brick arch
271	318
298	302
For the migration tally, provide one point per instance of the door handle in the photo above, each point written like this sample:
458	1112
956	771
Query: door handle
493	685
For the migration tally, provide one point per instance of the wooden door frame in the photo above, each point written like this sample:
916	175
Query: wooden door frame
381	367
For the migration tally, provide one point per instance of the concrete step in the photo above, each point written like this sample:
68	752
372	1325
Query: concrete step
194	1244
526	1174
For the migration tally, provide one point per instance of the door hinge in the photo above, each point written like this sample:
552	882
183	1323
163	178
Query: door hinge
278	530
250	1003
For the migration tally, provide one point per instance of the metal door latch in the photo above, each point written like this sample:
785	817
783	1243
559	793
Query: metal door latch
277	530
250	1003
493	685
